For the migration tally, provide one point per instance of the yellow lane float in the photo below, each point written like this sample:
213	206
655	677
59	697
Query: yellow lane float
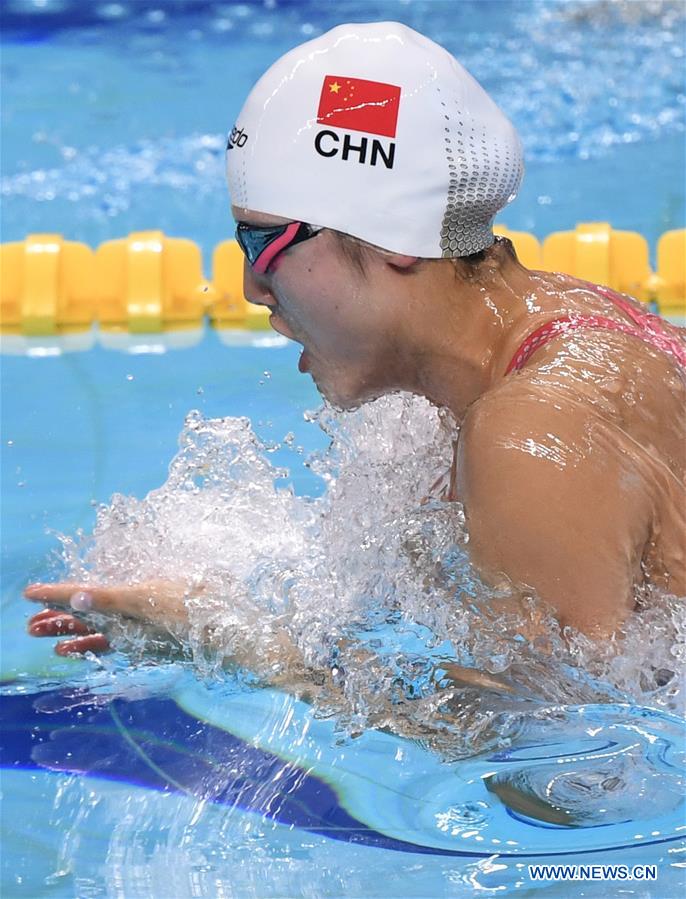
148	283
596	252
46	286
669	284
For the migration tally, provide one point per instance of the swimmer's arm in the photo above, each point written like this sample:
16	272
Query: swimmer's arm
553	507
163	604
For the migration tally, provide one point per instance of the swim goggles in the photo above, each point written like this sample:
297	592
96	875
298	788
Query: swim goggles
262	245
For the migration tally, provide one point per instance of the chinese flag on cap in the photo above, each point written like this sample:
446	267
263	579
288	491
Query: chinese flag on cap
359	105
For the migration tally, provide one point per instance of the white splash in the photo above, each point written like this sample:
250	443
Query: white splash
376	566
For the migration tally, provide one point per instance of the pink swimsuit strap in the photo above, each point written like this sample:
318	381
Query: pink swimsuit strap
646	327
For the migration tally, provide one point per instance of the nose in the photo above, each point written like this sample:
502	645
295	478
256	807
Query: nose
256	287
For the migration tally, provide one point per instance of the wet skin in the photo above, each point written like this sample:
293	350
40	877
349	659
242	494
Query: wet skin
572	472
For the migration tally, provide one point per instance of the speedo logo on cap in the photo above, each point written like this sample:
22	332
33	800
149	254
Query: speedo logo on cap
237	138
357	105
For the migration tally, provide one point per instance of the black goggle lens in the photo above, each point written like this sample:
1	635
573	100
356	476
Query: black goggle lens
254	241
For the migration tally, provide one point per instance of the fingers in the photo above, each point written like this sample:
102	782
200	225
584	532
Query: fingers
44	615
96	643
121	600
57	594
159	602
53	623
97	599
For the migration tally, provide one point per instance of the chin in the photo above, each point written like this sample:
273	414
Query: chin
347	398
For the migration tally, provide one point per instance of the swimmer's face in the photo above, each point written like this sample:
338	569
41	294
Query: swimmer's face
346	321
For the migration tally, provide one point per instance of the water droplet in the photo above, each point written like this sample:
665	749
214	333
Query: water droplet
81	601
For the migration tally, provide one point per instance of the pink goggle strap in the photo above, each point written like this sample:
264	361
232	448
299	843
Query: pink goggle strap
263	261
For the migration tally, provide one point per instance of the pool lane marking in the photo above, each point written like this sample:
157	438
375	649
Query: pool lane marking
296	779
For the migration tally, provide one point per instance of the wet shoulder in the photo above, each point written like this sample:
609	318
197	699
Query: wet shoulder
636	390
524	414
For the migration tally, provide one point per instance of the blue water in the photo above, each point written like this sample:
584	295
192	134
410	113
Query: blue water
120	124
140	780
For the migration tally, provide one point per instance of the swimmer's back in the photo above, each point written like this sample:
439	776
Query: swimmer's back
585	448
635	385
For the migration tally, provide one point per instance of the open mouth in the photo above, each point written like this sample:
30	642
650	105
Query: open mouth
280	326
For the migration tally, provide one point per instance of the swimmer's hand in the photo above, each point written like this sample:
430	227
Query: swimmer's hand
163	604
160	603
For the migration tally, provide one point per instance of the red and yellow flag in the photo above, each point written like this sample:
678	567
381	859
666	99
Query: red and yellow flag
359	105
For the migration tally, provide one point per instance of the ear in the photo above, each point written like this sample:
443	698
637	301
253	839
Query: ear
399	261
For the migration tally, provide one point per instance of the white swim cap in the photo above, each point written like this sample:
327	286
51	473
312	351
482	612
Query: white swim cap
378	132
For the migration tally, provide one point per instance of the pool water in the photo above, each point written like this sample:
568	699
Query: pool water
120	124
161	777
118	773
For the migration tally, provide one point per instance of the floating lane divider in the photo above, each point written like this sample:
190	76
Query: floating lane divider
46	286
149	283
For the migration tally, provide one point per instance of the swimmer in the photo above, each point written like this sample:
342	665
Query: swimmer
365	170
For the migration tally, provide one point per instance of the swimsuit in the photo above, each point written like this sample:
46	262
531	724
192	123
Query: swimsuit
646	327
